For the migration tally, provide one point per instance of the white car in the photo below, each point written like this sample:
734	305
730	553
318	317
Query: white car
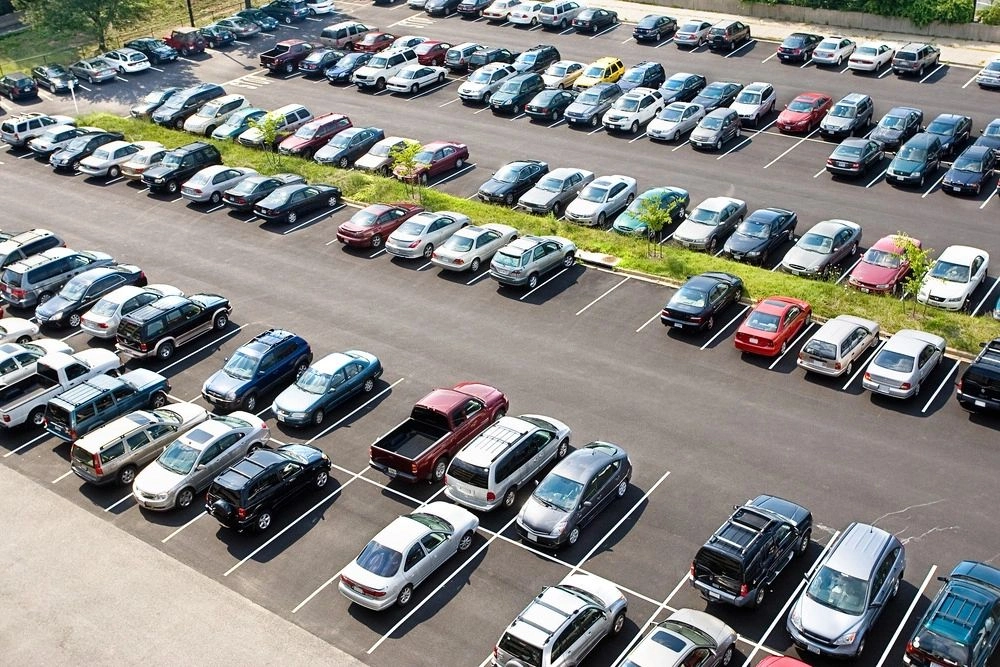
18	361
214	113
871	57
405	553
833	50
954	276
562	73
209	183
143	160
633	110
412	78
407	41
57	137
109	158
677	118
903	363
989	76
601	199
692	33
468	248
102	320
17	330
500	10
526	13
837	345
317	7
754	102
127	60
485	81
421	234
687	637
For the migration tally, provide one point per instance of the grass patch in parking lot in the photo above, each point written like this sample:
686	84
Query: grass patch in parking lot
828	300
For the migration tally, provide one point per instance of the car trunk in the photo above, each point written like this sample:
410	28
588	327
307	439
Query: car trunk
718	570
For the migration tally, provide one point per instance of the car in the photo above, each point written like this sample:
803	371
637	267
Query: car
601	199
854	157
670	201
188	41
762	232
825	245
537	58
103	318
319	7
953	129
523	262
32	280
870	57
207	185
405	553
573	494
978	389
804	113
511	181
266	22
558	14
653	28
312	137
715	129
916	160
108	160
900	367
288	202
423	232
319	60
433	159
441	7
72	154
562	73
55	78
603	70
157	50
253	188
184	103
590	105
473	8
284	122
970	171
343	69
526	13
17	330
682	87
674	120
515	93
481	84
380	157
897	126
241	27
18	130
838	343
550	104
214	113
696	303
431	52
469	247
238	123
914	58
727	35
686	637
692	34
370	226
884	266
326	384
344	34
852	115
18	86
56	138
594	19
287	11
382	67
374	42
18	360
152	101
491	54
348	146
772	325
989	75
957	272
191	461
754	102
157	328
555	190
457	57
717	94
833	50
798	46
708	225
499	10
990	135
633	110
94	70
127	61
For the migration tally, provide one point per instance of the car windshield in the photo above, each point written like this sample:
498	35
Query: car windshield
964	163
993	66
173	103
349	60
209	110
820	349
78	144
748	97
179	457
893	122
867	51
839	591
704	216
713	92
794	41
481	76
410	73
313	381
992	130
307	131
411	229
816	243
342	140
550	184
379	560
241	365
104	154
941	127
200	179
672	114
828	45
634	76
629	104
689	296
511	87
590	98
246	186
894	361
763	321
847	152
955	273
594	193
507	174
711	122
754	229
424	157
649	22
458	243
595	71
691	26
674	84
883	258
912	153
801	106
74	289
383	149
558	492
558	69
378	62
842	111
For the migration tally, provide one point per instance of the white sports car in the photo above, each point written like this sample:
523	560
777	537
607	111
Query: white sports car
955	275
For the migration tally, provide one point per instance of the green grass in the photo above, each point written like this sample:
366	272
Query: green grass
671	263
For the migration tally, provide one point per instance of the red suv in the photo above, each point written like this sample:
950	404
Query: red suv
314	135
186	40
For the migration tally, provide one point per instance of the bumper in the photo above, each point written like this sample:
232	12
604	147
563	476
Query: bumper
712	594
901	180
97	332
541	539
836	133
621	125
704	143
515	281
25	302
805	273
814	367
943	305
354	241
680	324
93	171
221	403
843	171
450	266
155	505
757	348
292	418
472	503
959	188
89	477
811	646
393	472
134	354
977	404
869	289
405	253
375	604
885	390
692	245
792	127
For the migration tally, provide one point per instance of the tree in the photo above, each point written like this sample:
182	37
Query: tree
404	162
93	17
652	212
268	125
919	259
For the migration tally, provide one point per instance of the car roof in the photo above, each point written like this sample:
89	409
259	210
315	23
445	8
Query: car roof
831	227
853	98
401	533
858	550
582	464
977	151
911	341
214	428
836	329
810	96
952	118
565	172
961	253
756	86
332	362
717	203
497	438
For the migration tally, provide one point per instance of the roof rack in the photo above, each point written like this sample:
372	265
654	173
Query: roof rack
739	520
496	439
958	609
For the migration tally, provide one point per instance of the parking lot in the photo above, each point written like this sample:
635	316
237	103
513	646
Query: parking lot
705	426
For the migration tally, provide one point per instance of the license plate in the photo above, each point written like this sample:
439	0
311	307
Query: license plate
865	290
980	404
812	649
754	341
358	589
678	325
533	538
955	188
714	596
391	472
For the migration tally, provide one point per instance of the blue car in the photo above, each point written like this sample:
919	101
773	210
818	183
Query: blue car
238	123
326	384
343	69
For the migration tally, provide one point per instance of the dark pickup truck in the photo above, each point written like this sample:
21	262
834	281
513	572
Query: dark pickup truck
286	55
440	424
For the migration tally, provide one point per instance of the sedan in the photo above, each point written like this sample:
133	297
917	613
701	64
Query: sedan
374	42
83	291
418	236
207	185
57	137
441	7
692	34
883	267
773	325
593	19
190	463
970	171
710	223
903	363
109	159
412	78
682	87
804	112
69	157
833	50
94	70
20	361
102	320
349	145
264	21
718	94
152	101
900	124
239	26
676	119
871	57
553	192
669	202
550	104
602	199
821	248
155	49
696	303
687	637
289	201
238	123
953	278
653	28
435	158
990	135
380	157
17	330
837	345
989	76
250	190
512	180
127	60
405	553
326	384
344	68
562	73
469	247
431	52
54	77
370	226
799	46
764	231
318	61
854	157
953	130
526	13
499	10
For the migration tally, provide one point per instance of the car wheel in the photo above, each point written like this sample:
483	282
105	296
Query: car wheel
854	249
557	209
532	281
333	201
634	128
405	596
380	84
428	250
674	136
185	498
288	20
215	198
185	51
594	120
554	116
569	260
510	497
74	320
459	163
322	477
93	81
466	541
895	586
718	145
710	324
221	320
376	241
563	449
318	417
114	172
618	623
474	267
601	218
37	416
165	351
75	166
439	469
563	24
292	217
158	401
979	188
508	199
263	521
414	88
861	647
784	347
250	402
179	124
712	244
804	541
486	98
573	536
758	599
727	657
368	386
126	475
623	488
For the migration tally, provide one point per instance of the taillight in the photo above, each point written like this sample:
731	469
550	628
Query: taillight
241	513
143	347
6	417
459	261
490	496
837	366
905	385
97	464
958	385
103	325
413	468
414	244
855	165
72	432
17	293
744	590
868	376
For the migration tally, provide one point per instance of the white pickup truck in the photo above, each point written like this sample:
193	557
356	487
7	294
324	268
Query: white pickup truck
24	400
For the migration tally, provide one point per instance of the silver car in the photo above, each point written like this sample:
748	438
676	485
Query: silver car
17	330
903	363
676	119
209	183
485	81
692	33
523	261
710	223
190	463
837	345
214	113
562	74
109	158
379	157
405	553
102	320
602	199
19	360
94	70
825	245
555	190
136	165
754	102
687	637
715	129
469	247
421	234
56	138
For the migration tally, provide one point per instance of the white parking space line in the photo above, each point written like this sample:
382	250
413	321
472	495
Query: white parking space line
568	31
877	178
887	71
679	146
792	346
793	147
203	347
291	27
312	220
484	274
454	175
669	40
318	590
26	156
173	534
933	187
540	286
534	28
625	280
252	218
520	115
120	178
945	381
627	40
558	122
976	310
906	616
121	78
236	41
933	72
819	173
861	368
63	476
966	84
457	99
990	198
428	91
806	64
595	131
738	146
606	31
769	57
142	192
733	53
117	503
88	89
75	333
353	412
848	271
649	321
723	329
188	60
428	264
374	254
27	444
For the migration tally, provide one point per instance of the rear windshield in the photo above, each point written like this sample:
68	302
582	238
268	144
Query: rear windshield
12	277
982	379
904	55
55	414
709	561
129	330
470	474
82	456
526	653
227	494
821	349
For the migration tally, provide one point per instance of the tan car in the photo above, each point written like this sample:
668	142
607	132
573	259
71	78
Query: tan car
562	74
379	157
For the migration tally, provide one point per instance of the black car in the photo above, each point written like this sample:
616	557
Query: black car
515	92
488	55
247	494
287	203
645	74
696	303
473	8
953	129
265	21
155	49
343	69
217	36
761	233
249	191
682	87
990	135
798	47
970	171
286	11
978	390
348	145
727	35
549	104
512	180
718	94
854	157
441	7
18	86
654	27
153	100
897	126
593	20
590	105
83	291
54	77
319	60
740	561
184	103
69	157
537	58
179	165
159	328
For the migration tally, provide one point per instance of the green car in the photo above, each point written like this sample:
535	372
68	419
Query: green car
675	201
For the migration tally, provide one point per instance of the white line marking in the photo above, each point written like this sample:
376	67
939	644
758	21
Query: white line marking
970	80
665	42
627	40
454	175
794	343
75	333
353	412
457	99
933	72
819	173
540	286
30	442
313	219
848	271
215	208
806	63
625	280
861	368
173	534
886	71
793	147
723	329
769	57
520	115
933	187
679	146
941	386
906	616
649	321
318	590
117	503
990	197
482	275
558	122
733	53
114	180
63	476
425	266
877	178
376	253
605	31
976	311
595	131
121	78
428	91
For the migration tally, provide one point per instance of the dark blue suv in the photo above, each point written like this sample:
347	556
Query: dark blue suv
269	361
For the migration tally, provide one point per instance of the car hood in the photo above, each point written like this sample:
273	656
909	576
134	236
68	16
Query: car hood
221	382
539	197
945	289
805	258
581	108
627	222
905	166
154	478
744	109
739	242
886	135
789	116
144	108
54	305
253	134
824	621
704	134
339	70
495	187
580	207
294	399
836	123
469	87
693	231
328	152
65	154
963	177
540	517
873	274
229	131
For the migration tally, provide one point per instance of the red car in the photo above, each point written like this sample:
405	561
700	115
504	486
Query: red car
434	158
431	52
374	42
804	112
781	661
772	324
882	268
369	227
314	135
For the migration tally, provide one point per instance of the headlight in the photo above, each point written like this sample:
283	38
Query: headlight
299	415
795	617
882	286
755	253
847	639
954	300
917	174
561	526
158	180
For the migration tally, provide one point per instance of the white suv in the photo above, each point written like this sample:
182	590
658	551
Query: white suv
633	110
382	67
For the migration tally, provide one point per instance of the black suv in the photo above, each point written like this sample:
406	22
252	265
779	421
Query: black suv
537	58
247	494
157	329
516	92
176	109
179	165
745	555
487	55
979	386
727	35
287	10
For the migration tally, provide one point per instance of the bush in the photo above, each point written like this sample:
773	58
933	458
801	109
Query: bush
990	15
921	12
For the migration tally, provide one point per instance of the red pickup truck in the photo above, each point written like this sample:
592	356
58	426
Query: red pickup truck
286	55
440	424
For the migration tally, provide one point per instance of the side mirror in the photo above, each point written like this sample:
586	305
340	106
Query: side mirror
537	482
260	372
587	503
201	466
876	605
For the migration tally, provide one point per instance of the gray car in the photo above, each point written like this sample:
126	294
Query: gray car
715	129
904	363
710	223
555	190
485	81
687	637
676	119
574	493
602	199
379	158
209	183
469	247
418	236
591	104
525	260
825	245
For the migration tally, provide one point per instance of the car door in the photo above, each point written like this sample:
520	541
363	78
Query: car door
185	322
595	626
210	463
978	272
101	287
883	584
717	298
926	362
487	244
292	478
600	490
417	565
566	647
541	449
791	323
785	539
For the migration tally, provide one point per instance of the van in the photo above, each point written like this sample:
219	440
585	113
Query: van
382	67
184	103
26	244
100	399
457	57
728	34
36	279
487	472
18	130
344	35
290	118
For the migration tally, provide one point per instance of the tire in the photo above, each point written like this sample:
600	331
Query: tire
405	596
593	120
215	198
428	251
532	281
185	51
263	521
93	81
172	187
376	241
466	541
332	202
727	657
74	320
861	647
318	417
758	599
563	24
179	124
289	68
634	128
37	416
184	498
249	402
784	347
718	145
459	163
322	477
486	98
414	88
158	400
165	351
711	323
563	449
574	536
569	260
601	219
291	217
474	266
618	623
380	84
114	171
508	199
622	488
510	497
712	245
23	340
368	386
288	20
126	475
220	321
439	469
557	209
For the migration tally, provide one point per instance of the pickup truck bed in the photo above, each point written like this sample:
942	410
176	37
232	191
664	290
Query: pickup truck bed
413	443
